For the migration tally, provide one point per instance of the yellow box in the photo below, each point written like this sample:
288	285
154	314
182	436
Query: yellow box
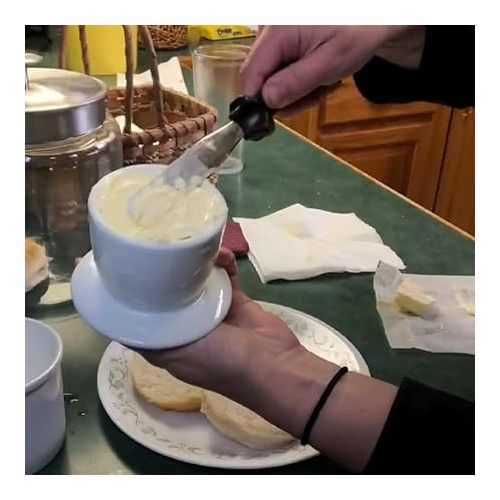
106	47
223	32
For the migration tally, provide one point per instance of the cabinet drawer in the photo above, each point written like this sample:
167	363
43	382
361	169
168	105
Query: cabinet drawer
346	109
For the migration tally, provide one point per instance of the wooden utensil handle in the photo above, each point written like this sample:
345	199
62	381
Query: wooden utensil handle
82	33
155	75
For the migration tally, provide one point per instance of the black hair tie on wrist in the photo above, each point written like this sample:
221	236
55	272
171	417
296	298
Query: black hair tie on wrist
322	400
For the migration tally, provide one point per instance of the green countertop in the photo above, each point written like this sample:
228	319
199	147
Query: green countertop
278	172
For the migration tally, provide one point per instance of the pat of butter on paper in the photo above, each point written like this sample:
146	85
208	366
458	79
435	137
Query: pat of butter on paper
410	298
466	300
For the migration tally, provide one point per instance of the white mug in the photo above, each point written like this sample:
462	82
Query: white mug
45	420
152	276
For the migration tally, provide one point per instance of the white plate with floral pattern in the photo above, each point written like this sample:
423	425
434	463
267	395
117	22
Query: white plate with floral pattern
189	437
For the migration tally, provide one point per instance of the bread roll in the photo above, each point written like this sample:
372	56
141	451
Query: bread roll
241	424
36	264
158	387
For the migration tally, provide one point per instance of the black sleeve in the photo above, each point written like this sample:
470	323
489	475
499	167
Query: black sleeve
445	75
427	432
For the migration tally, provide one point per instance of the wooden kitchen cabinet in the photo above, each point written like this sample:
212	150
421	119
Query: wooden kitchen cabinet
424	151
455	198
400	145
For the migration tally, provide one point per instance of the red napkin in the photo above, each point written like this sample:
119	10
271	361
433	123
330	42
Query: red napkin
234	239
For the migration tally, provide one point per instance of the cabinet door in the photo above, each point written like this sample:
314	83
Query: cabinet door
455	200
402	145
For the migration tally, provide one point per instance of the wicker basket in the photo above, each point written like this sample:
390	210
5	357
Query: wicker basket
168	37
185	121
171	122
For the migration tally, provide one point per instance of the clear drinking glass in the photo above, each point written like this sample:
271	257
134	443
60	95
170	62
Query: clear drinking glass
217	81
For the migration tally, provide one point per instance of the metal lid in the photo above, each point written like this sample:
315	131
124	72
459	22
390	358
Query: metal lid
60	104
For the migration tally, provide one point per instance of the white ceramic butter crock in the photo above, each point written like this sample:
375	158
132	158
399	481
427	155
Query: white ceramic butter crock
149	275
45	419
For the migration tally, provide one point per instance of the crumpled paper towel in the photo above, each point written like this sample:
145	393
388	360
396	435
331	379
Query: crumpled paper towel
300	242
451	329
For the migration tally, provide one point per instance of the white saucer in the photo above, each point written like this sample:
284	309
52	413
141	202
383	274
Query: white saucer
146	329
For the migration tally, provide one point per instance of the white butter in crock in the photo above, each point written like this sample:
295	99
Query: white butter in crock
161	214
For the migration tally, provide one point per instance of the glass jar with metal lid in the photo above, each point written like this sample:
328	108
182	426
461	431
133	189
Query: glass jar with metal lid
71	142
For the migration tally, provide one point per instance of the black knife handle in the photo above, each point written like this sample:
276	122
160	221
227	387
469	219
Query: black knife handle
253	116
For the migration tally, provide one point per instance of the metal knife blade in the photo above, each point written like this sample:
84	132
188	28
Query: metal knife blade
197	163
250	119
204	157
